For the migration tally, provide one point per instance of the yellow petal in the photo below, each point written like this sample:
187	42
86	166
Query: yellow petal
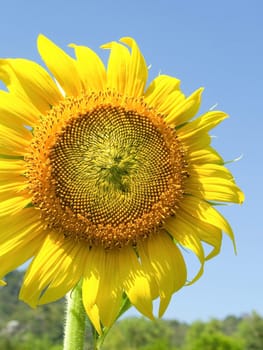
12	166
14	142
102	286
184	110
172	101
61	65
110	290
137	72
200	126
163	260
12	171
186	235
16	229
160	89
91	69
207	233
17	112
136	283
19	239
213	182
8	77
118	67
56	265
194	144
203	155
13	205
215	189
19	255
90	288
210	170
205	212
19	131
12	189
32	82
69	270
164	94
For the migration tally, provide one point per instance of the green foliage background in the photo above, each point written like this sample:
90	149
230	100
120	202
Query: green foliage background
22	328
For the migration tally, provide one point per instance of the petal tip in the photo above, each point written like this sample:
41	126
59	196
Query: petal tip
127	40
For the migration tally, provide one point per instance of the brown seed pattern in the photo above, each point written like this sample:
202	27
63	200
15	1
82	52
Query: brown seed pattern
107	173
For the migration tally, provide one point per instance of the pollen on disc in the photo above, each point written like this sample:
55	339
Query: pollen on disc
113	175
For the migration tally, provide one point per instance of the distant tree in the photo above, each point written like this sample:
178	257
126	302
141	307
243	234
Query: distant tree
193	333
251	331
209	336
230	324
216	341
6	344
9	296
159	344
21	326
140	334
178	332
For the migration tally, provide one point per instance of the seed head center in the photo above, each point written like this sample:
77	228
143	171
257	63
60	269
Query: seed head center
116	173
111	175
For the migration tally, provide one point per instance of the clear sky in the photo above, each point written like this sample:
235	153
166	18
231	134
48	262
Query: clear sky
215	44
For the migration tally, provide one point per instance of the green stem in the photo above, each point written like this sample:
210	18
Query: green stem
75	320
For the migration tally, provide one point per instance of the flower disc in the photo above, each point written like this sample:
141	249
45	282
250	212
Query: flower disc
111	174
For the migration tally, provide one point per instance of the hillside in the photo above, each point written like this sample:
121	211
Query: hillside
22	328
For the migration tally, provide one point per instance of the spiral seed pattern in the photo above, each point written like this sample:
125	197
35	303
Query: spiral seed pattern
105	173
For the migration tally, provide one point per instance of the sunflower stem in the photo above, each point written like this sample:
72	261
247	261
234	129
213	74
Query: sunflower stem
75	322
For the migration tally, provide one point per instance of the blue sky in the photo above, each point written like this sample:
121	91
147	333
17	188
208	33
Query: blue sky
215	44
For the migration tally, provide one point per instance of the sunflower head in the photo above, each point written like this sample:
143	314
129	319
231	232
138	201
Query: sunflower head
104	179
112	174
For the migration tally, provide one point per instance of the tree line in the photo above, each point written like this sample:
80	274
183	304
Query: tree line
22	328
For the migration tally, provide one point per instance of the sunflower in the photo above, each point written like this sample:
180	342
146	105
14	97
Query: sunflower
106	180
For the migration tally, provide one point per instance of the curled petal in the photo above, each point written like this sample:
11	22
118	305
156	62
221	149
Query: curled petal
61	65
